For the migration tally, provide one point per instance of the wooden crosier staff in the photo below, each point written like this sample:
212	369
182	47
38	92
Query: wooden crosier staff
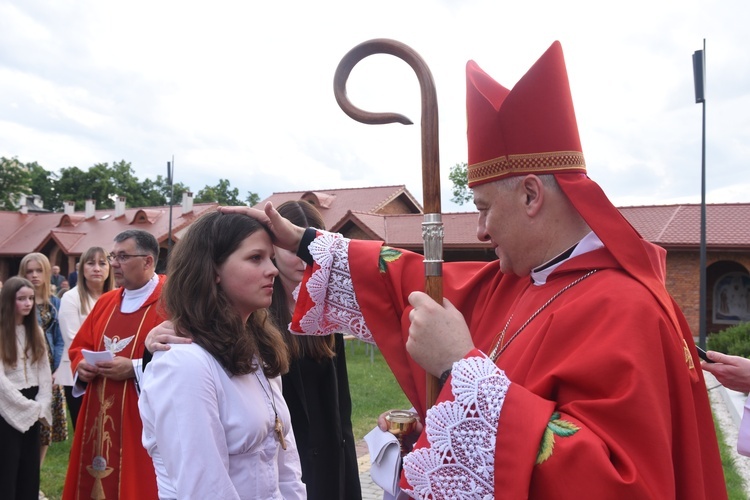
432	227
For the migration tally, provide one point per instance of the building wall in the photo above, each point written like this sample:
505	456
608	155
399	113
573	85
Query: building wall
683	282
354	232
396	206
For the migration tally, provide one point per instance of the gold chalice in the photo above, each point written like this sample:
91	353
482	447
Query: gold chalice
99	471
401	423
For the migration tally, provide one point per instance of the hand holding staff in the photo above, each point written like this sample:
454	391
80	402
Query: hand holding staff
432	227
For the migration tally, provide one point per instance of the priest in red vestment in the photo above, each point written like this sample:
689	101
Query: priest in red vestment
107	459
568	371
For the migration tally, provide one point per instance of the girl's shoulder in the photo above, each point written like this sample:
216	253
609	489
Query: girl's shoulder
184	356
55	301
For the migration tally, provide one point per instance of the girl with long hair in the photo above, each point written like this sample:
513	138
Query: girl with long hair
214	419
35	267
316	389
95	279
25	390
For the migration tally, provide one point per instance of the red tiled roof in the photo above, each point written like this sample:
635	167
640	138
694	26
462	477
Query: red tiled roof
405	230
727	224
334	204
24	233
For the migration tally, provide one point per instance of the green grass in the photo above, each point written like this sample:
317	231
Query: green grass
55	466
374	390
734	482
372	386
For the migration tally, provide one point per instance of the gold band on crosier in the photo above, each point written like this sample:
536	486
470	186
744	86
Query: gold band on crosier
536	163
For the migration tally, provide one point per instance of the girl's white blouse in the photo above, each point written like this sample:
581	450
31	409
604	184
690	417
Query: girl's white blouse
211	435
21	413
71	318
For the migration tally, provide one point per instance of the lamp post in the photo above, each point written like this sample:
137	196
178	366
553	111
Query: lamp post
699	78
170	172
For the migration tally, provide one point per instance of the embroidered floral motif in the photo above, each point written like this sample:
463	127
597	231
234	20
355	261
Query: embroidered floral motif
460	462
555	427
330	288
387	255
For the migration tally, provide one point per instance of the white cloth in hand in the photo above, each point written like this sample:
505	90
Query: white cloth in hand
385	459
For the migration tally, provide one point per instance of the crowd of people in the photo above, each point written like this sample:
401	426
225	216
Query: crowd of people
567	370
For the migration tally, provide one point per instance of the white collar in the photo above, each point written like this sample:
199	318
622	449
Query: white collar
132	300
589	243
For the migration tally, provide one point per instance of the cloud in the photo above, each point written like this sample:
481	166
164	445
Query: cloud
243	90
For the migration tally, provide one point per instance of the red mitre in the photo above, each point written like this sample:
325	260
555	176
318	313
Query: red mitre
529	130
532	129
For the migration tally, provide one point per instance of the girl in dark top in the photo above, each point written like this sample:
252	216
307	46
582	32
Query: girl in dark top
316	388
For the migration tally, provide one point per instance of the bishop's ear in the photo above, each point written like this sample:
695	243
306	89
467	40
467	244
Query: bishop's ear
533	190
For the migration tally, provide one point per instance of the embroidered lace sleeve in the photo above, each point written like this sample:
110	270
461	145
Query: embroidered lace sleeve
460	460
330	287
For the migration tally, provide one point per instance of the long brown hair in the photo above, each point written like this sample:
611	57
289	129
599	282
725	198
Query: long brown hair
84	291
35	342
302	214
200	309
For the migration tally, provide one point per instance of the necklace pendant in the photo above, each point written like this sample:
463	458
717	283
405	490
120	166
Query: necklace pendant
279	429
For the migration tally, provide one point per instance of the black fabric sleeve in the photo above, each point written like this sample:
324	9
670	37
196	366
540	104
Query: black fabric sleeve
303	252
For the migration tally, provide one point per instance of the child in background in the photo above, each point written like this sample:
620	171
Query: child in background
25	390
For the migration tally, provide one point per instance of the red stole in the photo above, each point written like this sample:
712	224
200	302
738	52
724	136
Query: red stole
109	414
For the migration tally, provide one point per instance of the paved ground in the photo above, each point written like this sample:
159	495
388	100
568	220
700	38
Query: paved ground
727	406
370	490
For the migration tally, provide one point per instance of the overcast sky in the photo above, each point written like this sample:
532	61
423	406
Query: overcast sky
243	90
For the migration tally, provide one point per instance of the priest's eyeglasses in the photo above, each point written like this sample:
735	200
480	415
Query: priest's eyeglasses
122	258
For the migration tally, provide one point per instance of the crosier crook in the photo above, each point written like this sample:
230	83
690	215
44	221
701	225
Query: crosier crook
432	227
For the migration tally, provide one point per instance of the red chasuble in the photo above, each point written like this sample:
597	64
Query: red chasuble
107	459
606	400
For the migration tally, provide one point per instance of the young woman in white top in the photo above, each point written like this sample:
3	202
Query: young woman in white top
95	279
25	390
214	418
36	268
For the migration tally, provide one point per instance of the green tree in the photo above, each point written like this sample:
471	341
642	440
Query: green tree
43	182
14	181
459	176
252	198
127	184
78	185
152	192
103	183
221	193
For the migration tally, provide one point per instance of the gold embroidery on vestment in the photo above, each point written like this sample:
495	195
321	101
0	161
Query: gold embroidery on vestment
688	357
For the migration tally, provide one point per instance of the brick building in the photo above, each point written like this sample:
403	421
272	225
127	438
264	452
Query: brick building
393	215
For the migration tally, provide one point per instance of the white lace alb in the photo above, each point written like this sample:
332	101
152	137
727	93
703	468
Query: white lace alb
336	308
459	464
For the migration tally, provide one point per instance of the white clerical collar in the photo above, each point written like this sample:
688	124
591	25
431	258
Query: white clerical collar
132	300
589	243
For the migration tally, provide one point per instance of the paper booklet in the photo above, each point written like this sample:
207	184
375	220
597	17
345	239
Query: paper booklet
92	357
